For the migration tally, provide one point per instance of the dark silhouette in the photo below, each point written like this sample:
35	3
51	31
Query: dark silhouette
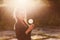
23	31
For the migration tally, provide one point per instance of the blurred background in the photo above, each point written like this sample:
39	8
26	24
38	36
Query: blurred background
47	22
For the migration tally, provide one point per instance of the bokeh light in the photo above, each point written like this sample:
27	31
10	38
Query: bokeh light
30	21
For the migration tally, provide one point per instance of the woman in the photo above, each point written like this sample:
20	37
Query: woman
23	31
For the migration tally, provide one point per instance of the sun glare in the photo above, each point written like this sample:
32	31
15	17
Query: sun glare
24	6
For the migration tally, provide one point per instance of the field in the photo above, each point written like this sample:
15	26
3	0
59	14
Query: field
10	35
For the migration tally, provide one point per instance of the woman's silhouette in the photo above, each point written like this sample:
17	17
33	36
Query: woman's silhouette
23	31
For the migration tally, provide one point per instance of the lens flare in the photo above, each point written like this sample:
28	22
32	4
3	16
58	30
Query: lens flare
30	21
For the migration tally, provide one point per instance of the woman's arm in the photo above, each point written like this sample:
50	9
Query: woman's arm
30	28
